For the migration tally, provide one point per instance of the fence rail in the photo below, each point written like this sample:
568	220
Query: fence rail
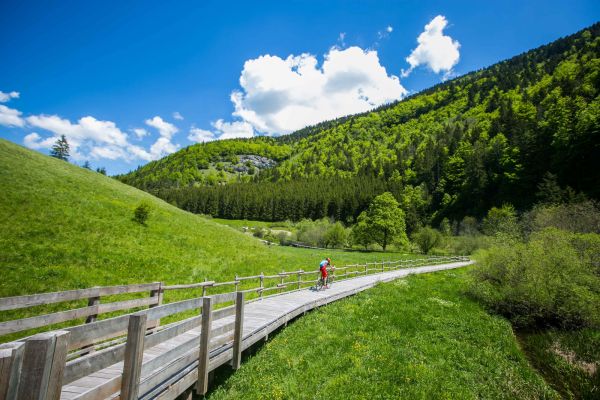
39	366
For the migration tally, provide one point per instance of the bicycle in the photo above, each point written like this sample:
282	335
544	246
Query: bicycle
324	282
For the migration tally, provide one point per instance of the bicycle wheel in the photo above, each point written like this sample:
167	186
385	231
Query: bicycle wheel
330	280
319	284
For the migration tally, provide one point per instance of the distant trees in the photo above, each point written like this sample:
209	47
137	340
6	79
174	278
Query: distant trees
60	149
382	223
427	238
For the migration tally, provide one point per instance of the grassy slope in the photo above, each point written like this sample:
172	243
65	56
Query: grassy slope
418	338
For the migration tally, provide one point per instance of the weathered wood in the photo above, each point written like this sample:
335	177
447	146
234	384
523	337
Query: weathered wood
93	301
83	335
35	372
189	285
238	331
15	302
59	357
127	304
203	359
159	297
134	352
222	298
223	312
220	330
24	324
11	358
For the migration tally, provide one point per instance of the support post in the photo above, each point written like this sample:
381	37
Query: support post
237	282
93	301
262	284
134	353
300	278
44	360
366	268
238	332
11	357
202	383
204	288
159	294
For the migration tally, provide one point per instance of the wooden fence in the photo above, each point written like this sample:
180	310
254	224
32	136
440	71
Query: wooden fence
37	367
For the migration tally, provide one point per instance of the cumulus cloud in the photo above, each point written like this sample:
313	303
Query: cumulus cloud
163	144
437	51
10	117
282	95
389	29
200	135
178	116
140	132
232	130
4	97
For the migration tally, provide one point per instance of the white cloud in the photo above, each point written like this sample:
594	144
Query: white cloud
140	132
165	129
4	97
10	117
282	95
178	116
34	141
389	29
435	50
200	135
163	144
232	130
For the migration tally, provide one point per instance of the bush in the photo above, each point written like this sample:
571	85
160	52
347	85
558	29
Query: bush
583	217
336	236
553	280
427	238
141	213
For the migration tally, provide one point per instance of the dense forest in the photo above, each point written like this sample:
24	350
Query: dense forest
459	148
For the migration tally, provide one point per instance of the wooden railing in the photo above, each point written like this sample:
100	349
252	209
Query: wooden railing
38	366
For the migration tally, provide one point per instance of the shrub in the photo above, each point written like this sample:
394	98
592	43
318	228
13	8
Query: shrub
501	221
141	213
552	280
336	235
427	238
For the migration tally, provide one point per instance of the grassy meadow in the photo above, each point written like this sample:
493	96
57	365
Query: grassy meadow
65	227
415	338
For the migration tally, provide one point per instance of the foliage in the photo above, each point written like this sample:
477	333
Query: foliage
417	338
60	149
336	236
427	238
457	149
384	221
552	280
501	220
141	213
581	217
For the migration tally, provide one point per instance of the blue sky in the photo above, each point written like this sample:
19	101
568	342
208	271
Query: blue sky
111	75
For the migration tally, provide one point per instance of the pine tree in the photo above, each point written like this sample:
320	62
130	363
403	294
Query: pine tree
60	149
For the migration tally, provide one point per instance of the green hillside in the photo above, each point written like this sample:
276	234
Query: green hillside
67	227
484	139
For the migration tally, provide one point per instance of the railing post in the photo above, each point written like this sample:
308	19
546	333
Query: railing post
203	359
156	293
11	357
237	282
134	354
204	288
44	359
300	278
262	284
93	301
382	267
238	332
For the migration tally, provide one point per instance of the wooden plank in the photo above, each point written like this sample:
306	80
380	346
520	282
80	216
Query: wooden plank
223	312
134	288
189	285
238	330
24	324
165	310
37	363
82	335
222	298
11	358
222	329
168	374
84	366
134	353
126	304
59	357
203	359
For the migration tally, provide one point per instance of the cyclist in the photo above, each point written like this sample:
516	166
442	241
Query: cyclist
323	268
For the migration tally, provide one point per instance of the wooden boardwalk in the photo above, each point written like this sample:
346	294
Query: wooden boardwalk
260	318
167	363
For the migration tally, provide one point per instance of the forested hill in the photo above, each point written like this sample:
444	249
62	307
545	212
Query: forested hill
484	139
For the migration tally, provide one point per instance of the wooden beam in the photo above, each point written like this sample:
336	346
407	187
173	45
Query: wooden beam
59	359
238	330
134	353
11	357
202	383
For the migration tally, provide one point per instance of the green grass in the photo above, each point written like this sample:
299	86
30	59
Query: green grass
569	361
65	227
417	338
